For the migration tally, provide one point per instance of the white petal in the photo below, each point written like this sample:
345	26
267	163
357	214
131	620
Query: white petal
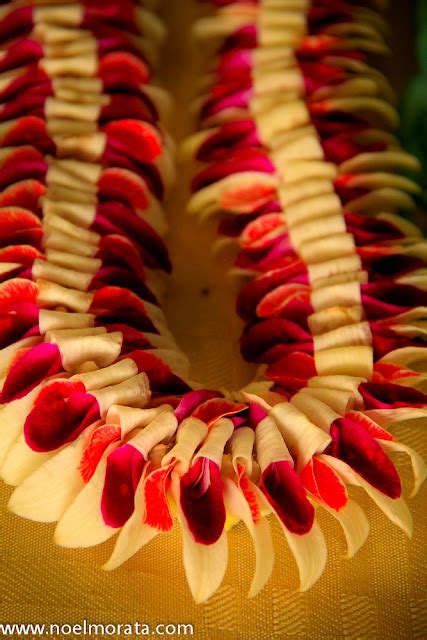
82	524
21	461
386	417
418	464
237	506
354	523
134	535
396	510
301	436
309	550
310	553
205	565
47	492
12	419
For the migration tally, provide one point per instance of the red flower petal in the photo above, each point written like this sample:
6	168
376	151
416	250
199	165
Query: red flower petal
191	400
372	427
92	454
324	483
157	511
29	368
59	415
216	408
285	492
124	469
136	138
390	396
119	184
124	68
353	444
161	378
202	501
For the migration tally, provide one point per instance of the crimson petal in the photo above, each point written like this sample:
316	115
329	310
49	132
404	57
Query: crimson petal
29	369
286	494
59	415
124	469
354	445
202	501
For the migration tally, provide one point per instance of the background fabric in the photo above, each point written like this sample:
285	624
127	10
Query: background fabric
381	593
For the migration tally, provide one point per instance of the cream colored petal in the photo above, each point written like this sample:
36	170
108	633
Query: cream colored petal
45	494
205	565
396	510
354	523
418	464
82	524
237	507
134	534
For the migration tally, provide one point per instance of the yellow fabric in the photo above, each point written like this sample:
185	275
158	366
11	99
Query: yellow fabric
381	593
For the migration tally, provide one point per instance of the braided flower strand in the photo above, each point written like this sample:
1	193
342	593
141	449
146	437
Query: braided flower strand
102	432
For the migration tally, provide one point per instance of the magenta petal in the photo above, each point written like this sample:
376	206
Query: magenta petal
385	340
124	469
191	400
202	501
285	492
239	161
262	336
21	53
355	446
58	418
17	321
29	369
121	277
256	414
378	395
232	135
390	266
117	218
16	23
161	378
369	230
250	296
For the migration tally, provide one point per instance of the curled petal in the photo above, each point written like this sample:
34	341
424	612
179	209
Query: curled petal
324	484
59	415
29	369
134	534
354	523
418	463
123	473
286	494
395	509
202	502
205	564
238	506
212	410
353	444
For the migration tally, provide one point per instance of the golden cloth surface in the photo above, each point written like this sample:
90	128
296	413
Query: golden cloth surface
380	594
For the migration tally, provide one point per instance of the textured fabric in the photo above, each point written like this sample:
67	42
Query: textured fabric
381	593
